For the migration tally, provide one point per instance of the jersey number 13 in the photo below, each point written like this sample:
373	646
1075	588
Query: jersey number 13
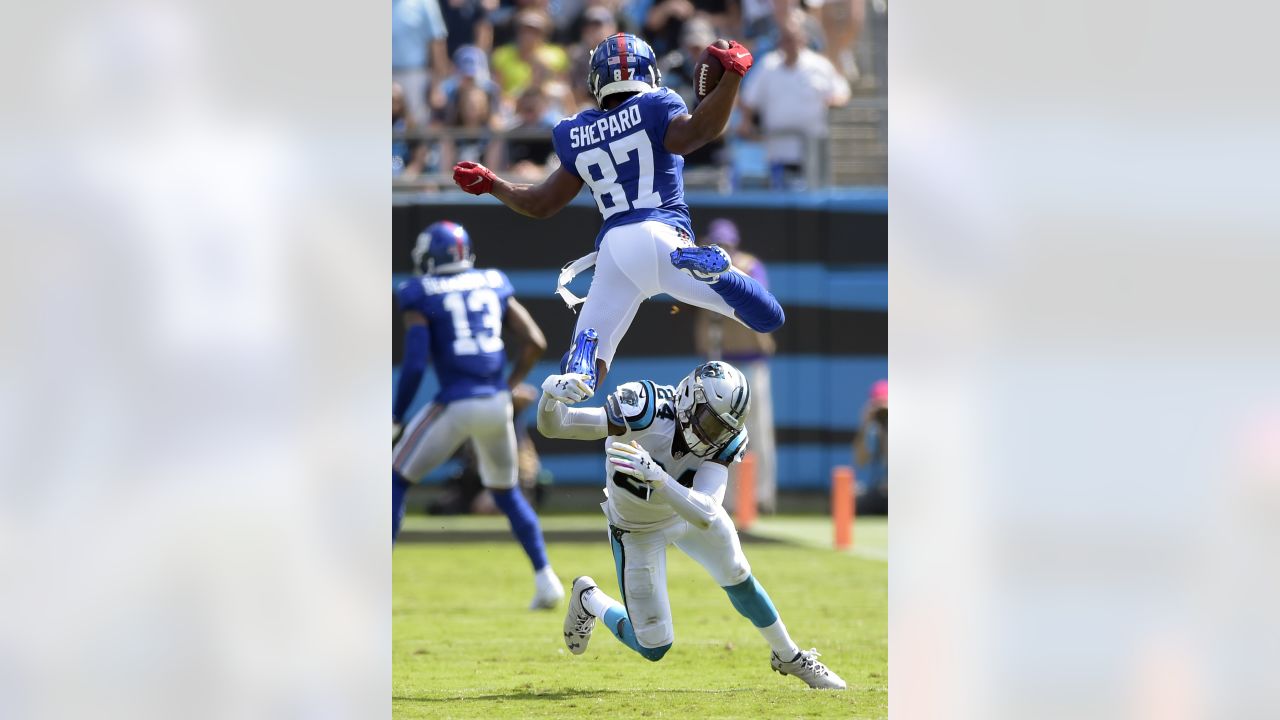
485	339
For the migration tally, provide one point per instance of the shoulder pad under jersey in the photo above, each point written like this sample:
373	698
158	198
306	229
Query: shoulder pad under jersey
632	405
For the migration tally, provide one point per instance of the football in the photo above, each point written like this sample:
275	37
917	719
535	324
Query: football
708	71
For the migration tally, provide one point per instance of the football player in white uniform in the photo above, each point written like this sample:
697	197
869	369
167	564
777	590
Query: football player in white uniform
668	455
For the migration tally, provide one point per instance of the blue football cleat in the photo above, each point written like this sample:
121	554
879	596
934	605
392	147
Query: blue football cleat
581	357
704	263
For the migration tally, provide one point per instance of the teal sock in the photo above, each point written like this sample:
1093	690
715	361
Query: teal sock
753	602
750	599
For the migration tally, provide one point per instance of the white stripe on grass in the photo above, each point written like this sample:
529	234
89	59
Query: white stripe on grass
870	535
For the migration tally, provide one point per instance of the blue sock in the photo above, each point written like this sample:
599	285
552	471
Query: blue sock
524	524
620	625
399	488
753	602
753	305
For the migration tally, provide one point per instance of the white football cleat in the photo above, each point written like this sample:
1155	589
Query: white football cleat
548	592
578	623
806	667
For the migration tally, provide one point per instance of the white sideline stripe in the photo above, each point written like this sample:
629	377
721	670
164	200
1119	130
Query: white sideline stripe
875	554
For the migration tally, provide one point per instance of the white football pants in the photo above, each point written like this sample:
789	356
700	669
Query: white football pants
641	560
634	263
436	432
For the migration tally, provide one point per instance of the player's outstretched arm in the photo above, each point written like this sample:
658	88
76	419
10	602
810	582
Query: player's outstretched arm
533	344
710	119
535	200
557	420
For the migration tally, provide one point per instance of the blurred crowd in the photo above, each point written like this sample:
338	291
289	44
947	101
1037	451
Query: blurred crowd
485	80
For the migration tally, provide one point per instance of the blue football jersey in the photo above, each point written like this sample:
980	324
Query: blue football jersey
619	154
464	312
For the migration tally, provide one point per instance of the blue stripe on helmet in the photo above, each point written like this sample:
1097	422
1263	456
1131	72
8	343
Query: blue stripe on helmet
731	449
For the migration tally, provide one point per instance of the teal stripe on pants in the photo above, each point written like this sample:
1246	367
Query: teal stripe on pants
619	620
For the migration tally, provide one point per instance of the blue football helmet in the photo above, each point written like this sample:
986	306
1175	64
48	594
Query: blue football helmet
444	247
622	63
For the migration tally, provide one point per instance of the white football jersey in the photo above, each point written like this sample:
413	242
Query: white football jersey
648	412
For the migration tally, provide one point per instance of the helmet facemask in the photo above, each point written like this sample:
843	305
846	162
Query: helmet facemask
705	431
454	259
450	267
419	254
602	81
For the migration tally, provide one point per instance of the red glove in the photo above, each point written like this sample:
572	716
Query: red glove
473	177
736	58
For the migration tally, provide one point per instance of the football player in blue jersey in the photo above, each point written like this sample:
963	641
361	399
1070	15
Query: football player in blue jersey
455	313
630	153
669	451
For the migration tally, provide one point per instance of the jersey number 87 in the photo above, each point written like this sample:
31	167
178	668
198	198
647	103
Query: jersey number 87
607	184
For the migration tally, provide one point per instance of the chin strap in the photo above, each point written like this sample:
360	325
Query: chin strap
568	273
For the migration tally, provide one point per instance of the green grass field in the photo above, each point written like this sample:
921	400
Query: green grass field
464	646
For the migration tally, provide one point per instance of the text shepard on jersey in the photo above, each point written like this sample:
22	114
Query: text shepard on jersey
604	128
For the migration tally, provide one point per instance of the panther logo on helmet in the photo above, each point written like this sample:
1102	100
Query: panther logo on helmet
712	370
712	403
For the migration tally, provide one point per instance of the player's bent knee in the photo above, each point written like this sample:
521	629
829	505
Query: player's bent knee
654	654
654	634
501	478
402	469
737	575
735	572
498	485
